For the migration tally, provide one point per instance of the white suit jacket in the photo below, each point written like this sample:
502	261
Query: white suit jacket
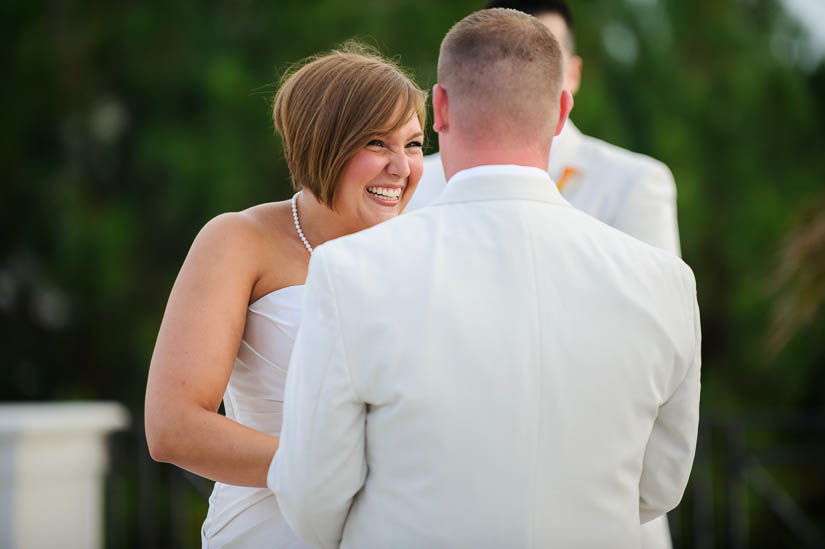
632	192
496	370
629	191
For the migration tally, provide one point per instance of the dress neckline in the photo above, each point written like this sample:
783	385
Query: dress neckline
278	291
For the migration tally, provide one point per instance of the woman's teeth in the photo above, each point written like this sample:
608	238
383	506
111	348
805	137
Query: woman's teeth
386	193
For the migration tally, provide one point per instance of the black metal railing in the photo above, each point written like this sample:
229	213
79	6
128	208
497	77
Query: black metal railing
735	472
735	484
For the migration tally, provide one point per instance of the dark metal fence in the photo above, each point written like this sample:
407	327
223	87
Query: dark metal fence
738	495
149	504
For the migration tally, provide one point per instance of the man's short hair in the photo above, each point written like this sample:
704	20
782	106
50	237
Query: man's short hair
329	106
502	71
540	7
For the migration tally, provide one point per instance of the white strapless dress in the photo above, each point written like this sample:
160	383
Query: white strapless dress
243	517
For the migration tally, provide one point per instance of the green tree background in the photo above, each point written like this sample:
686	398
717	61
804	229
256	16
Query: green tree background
126	126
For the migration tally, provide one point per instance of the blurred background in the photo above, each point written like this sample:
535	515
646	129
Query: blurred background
128	125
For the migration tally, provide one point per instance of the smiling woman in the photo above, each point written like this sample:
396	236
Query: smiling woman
351	124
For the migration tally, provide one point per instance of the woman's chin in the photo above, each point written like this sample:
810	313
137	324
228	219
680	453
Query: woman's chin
379	211
379	216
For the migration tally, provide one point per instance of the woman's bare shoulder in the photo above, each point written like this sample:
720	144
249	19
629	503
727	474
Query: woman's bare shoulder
272	218
258	226
255	245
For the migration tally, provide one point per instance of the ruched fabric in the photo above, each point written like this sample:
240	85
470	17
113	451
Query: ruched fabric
240	516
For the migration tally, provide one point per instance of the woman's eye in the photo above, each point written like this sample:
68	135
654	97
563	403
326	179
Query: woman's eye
415	144
375	143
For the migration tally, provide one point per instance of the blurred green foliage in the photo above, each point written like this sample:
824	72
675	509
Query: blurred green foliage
126	126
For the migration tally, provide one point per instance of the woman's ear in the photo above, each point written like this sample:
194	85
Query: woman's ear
440	109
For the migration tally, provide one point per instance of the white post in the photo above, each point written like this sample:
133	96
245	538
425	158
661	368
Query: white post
52	460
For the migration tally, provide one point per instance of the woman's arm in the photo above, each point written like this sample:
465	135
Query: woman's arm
194	354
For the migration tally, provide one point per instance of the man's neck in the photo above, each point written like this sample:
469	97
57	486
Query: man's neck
458	157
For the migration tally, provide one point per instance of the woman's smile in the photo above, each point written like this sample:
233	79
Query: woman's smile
388	196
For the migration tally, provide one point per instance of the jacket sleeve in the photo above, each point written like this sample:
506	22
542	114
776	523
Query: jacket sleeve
670	449
320	464
649	210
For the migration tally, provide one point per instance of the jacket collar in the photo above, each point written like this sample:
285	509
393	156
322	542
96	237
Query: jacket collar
500	183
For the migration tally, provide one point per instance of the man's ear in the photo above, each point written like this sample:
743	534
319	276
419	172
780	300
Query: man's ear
440	108
573	78
565	106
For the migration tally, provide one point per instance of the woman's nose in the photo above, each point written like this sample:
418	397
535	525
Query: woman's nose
399	165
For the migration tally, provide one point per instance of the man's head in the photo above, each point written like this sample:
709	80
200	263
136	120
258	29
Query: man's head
556	16
499	85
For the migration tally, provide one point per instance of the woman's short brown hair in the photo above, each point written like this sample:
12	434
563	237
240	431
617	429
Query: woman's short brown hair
331	105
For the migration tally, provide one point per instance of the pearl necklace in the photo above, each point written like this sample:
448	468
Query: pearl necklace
298	223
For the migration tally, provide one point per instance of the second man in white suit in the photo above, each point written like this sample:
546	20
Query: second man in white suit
498	369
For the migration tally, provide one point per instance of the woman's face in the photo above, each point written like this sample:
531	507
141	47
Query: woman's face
378	181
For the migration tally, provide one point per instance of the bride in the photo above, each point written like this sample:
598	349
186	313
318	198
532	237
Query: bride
351	125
